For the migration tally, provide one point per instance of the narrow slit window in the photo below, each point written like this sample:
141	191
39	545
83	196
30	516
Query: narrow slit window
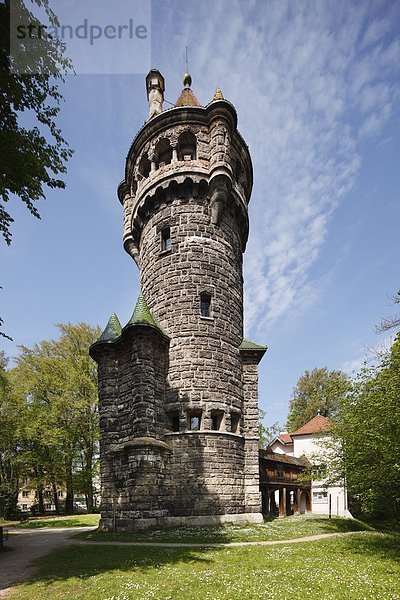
205	305
166	239
235	422
216	420
174	421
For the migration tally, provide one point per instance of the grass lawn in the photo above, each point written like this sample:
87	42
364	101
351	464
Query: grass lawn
360	566
276	529
64	521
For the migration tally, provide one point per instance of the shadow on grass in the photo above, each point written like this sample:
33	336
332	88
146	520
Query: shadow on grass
386	546
338	524
85	562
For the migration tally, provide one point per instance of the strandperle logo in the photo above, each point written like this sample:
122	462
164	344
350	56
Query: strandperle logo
96	37
84	31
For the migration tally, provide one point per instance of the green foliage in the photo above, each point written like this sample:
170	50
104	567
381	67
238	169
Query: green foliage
266	434
316	390
49	414
10	442
369	434
31	156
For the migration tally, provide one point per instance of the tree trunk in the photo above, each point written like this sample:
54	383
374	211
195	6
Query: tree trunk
40	500
55	498
69	499
89	480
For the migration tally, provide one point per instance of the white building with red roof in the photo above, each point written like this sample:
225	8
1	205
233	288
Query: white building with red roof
310	441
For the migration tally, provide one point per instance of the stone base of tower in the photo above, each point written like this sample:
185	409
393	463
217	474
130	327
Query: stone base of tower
134	524
195	478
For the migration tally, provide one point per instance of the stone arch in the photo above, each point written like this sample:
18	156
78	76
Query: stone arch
187	146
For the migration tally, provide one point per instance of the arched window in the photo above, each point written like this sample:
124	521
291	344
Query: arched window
163	152
144	166
187	146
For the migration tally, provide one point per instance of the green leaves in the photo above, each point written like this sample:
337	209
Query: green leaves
31	158
48	411
369	432
317	390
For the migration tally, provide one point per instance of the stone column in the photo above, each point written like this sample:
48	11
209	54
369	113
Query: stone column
251	435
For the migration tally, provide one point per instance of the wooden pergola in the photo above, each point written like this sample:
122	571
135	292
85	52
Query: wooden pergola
285	474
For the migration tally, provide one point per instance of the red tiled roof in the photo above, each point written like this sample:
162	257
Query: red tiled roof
286	438
187	98
317	424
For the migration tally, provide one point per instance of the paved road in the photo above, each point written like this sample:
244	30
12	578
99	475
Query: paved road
28	545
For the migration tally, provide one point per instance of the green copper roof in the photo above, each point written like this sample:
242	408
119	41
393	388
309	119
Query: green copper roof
142	315
112	331
247	345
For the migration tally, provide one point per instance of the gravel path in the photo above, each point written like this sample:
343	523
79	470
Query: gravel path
26	546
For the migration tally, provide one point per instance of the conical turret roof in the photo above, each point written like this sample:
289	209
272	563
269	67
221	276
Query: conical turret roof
142	315
112	331
187	97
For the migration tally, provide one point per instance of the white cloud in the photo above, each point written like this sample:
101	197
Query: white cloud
308	79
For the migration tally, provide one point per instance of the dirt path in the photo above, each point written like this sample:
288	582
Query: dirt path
308	538
26	545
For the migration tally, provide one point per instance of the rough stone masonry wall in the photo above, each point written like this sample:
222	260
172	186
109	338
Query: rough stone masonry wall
204	371
131	392
251	433
204	363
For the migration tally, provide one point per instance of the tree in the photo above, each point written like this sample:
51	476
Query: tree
10	463
368	434
29	161
392	322
267	433
316	390
57	380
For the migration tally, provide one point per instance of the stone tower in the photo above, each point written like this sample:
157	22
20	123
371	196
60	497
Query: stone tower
178	395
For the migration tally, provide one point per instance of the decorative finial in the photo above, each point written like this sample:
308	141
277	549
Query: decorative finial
187	80
319	412
218	95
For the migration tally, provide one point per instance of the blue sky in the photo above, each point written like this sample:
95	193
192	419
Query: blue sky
316	87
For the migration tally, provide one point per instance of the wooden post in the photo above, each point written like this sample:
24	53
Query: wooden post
296	505
282	502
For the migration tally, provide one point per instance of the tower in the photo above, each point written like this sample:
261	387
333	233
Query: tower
178	389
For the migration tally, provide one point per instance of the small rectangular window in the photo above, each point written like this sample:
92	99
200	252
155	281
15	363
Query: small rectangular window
205	305
235	422
173	418
166	239
24	507
194	421
25	494
216	420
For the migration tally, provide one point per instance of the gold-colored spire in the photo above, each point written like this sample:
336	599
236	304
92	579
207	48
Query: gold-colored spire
218	95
